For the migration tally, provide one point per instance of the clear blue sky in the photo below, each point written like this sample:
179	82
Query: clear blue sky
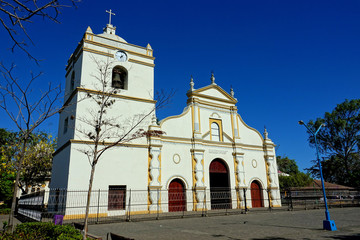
286	60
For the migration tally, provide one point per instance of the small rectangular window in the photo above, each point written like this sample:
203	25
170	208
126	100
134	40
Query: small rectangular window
72	81
66	125
117	197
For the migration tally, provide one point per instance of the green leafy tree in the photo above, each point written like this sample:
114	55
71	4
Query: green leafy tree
37	159
287	165
7	176
338	143
296	178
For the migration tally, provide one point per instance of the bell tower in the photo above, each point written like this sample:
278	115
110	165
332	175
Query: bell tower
129	70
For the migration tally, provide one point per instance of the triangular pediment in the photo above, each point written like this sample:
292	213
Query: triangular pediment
213	92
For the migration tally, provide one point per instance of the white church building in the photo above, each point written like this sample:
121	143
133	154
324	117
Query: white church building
206	150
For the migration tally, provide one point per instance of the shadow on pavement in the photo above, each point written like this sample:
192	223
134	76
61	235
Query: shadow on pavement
220	235
346	237
272	238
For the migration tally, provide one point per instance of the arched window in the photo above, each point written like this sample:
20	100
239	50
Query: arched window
72	81
119	78
215	132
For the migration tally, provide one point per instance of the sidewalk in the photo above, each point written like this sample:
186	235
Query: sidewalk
256	225
5	218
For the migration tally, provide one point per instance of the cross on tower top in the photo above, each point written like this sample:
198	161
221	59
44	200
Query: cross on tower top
110	13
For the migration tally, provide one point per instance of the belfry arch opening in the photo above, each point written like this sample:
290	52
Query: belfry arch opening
220	192
177	196
256	194
119	78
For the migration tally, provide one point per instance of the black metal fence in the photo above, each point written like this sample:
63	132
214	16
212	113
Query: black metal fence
131	205
313	198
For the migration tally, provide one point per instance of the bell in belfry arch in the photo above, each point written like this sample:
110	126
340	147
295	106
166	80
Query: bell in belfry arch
116	81
118	78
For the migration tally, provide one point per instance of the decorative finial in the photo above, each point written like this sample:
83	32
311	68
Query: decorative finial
110	13
232	91
265	133
212	78
154	120
88	30
191	83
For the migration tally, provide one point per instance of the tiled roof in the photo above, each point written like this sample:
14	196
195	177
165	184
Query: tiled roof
316	184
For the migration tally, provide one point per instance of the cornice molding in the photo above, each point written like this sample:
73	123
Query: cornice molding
87	142
116	95
118	48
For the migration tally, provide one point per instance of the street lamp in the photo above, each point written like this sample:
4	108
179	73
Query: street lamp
327	224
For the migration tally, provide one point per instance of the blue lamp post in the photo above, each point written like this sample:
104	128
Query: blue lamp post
327	224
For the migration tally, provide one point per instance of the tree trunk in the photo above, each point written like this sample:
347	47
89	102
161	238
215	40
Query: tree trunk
10	227
88	200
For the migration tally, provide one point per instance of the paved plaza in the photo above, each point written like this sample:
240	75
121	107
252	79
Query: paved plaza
255	225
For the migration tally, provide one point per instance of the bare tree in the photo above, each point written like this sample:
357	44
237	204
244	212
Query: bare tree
27	110
105	130
15	14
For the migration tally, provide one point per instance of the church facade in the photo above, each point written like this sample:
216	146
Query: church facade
206	150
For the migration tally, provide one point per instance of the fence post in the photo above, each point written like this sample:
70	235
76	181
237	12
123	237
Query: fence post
291	207
268	193
128	218
204	210
185	207
244	189
341	201
97	216
157	204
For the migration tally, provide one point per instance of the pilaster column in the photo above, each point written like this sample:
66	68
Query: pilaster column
239	176
271	171
234	123
154	168
198	178
196	109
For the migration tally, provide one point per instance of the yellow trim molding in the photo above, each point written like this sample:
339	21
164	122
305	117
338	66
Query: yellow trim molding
198	93
117	48
219	123
112	47
206	103
116	95
242	121
141	62
80	216
85	49
186	110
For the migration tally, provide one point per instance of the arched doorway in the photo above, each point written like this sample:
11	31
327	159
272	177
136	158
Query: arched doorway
256	195
177	197
219	185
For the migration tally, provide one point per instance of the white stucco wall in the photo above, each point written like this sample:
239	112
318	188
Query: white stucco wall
185	150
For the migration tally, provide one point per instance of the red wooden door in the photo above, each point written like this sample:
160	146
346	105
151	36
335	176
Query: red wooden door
256	198
177	199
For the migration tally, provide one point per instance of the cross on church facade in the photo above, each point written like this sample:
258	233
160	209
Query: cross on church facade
110	13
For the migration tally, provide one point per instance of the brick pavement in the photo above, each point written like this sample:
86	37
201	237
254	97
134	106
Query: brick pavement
255	225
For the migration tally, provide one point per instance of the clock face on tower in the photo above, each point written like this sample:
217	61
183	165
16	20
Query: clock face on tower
121	56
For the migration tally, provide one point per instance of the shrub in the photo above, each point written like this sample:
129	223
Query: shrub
43	231
5	211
